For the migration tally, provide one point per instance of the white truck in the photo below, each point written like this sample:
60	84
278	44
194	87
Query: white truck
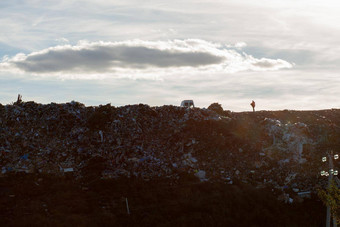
187	103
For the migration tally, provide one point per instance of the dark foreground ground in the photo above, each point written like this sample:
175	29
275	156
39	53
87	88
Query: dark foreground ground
37	200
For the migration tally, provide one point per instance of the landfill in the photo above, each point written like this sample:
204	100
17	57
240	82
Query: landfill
277	149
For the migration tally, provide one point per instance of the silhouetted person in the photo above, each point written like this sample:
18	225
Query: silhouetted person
253	105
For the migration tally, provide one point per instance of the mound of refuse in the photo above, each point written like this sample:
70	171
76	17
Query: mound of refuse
279	149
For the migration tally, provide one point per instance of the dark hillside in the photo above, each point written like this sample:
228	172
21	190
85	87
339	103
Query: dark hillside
243	158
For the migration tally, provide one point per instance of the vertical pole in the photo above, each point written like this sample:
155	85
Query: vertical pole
328	218
127	206
330	177
332	167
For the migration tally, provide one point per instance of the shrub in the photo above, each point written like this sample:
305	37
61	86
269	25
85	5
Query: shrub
216	107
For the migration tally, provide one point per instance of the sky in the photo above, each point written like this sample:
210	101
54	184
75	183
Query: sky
282	54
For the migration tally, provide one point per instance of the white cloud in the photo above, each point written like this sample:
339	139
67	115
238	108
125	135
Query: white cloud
240	45
62	40
137	56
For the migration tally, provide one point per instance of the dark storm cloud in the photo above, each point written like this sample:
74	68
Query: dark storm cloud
142	56
102	58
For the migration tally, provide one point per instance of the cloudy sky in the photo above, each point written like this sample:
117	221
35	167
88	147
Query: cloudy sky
282	54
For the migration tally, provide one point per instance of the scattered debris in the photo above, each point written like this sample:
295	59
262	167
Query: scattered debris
147	142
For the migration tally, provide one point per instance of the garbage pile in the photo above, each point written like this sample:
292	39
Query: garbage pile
57	138
146	142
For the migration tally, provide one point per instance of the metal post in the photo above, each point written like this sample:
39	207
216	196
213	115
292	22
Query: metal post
330	178
332	175
127	206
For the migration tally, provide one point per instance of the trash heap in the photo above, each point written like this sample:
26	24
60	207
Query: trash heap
57	138
262	148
